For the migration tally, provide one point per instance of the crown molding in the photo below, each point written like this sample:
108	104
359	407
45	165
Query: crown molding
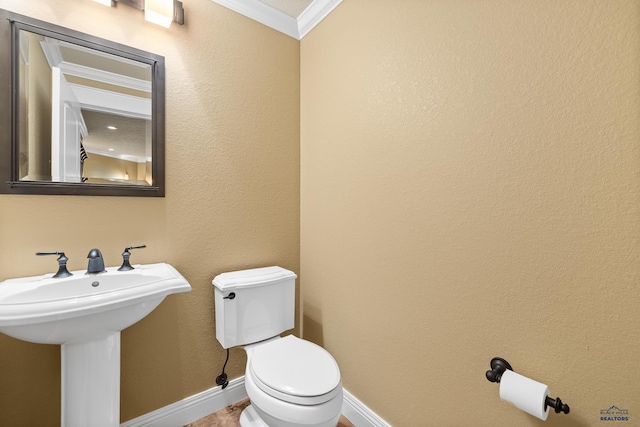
280	21
316	12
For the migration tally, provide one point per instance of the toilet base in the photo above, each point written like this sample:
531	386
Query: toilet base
250	418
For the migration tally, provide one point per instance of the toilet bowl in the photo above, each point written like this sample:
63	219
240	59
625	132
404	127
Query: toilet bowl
290	381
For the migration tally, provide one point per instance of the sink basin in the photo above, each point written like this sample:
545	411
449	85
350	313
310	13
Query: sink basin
45	310
85	314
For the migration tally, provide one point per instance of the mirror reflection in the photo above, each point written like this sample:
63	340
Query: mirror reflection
85	115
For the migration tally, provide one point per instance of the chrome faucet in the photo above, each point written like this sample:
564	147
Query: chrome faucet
96	263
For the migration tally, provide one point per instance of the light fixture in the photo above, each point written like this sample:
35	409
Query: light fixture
161	12
112	127
108	3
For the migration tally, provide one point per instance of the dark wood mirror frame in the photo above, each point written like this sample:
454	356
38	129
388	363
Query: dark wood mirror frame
10	24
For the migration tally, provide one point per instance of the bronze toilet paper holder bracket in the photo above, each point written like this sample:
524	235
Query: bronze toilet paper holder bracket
499	365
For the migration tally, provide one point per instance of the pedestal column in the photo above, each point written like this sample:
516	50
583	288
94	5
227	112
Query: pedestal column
91	382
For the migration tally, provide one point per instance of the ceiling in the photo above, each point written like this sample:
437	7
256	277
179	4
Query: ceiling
290	7
294	18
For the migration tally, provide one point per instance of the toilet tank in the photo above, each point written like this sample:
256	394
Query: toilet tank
253	305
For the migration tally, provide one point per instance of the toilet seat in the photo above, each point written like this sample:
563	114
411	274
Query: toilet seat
295	371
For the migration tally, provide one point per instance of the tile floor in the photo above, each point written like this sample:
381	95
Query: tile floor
229	416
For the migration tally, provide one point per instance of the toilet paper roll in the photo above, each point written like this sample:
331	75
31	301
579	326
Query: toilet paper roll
527	394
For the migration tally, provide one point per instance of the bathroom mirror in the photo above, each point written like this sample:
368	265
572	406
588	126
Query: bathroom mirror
79	115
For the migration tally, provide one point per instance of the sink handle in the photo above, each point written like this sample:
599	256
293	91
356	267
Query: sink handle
62	264
126	266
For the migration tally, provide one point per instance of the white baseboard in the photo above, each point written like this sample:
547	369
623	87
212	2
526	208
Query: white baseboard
200	405
192	408
359	413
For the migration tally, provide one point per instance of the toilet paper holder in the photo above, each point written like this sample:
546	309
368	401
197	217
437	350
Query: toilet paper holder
499	365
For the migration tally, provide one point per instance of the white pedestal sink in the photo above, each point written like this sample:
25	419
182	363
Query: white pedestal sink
85	314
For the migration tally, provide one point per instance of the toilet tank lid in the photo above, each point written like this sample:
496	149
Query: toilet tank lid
252	277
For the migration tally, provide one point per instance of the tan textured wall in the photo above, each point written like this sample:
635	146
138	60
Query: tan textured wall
232	202
470	180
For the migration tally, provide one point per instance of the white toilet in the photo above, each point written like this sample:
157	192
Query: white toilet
290	381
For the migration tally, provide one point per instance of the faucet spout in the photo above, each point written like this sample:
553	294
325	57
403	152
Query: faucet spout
96	262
